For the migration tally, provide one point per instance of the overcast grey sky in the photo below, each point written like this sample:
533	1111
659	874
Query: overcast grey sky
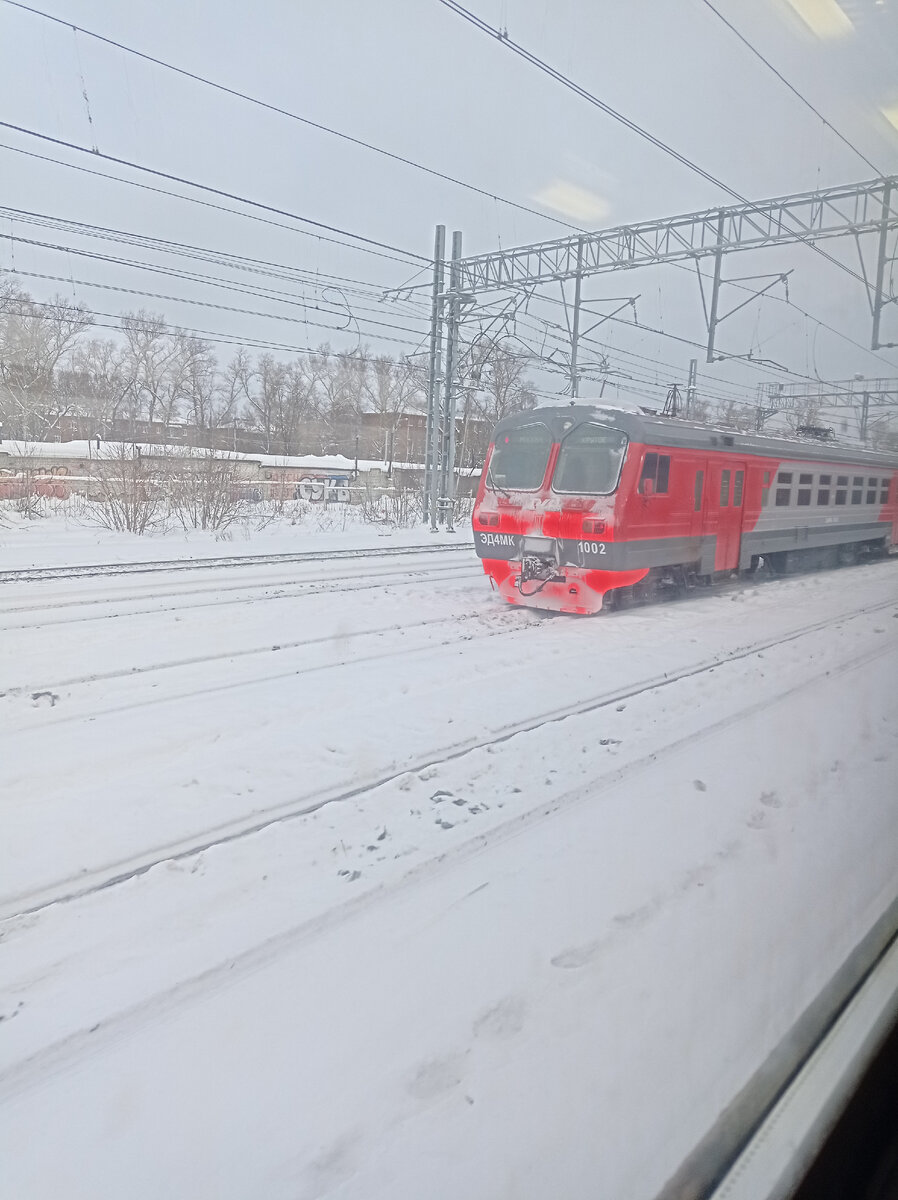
416	79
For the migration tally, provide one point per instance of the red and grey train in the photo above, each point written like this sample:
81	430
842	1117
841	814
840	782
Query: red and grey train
580	501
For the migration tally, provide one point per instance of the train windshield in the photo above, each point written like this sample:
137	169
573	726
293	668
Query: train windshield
590	460
520	458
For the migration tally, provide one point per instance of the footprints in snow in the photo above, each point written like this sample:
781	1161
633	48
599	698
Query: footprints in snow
438	1076
458	802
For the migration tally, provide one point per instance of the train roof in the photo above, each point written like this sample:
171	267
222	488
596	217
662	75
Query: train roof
653	429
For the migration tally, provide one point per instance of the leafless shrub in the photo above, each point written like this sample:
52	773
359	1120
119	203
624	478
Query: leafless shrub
397	508
130	496
206	492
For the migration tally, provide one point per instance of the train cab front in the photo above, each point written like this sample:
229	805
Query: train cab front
544	516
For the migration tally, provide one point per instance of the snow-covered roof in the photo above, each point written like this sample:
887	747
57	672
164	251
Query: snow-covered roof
87	449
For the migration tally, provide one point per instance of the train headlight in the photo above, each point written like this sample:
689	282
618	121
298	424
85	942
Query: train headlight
590	525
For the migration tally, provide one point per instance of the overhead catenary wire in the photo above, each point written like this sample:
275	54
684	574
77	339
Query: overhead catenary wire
213	337
218	282
236	93
502	37
241	262
792	88
110	287
249	216
265	267
256	217
366	244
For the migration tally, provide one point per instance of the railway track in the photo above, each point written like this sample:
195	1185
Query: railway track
222	970
229	656
231	594
114	874
103	570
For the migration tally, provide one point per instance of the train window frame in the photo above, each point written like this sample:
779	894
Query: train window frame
495	486
725	475
624	443
655	468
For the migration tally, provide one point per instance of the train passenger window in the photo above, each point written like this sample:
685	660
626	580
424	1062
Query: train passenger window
823	495
857	496
699	485
590	460
783	495
884	494
871	491
858	481
842	481
724	488
656	469
825	480
804	497
841	495
805	480
765	490
520	458
737	488
784	477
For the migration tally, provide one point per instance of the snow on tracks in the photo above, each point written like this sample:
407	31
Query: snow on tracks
263	815
89	570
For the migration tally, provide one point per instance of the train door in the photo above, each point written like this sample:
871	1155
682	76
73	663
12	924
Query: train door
723	511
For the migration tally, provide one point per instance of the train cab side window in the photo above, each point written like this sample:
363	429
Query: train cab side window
724	488
823	492
655	469
871	491
765	490
738	484
857	492
699	485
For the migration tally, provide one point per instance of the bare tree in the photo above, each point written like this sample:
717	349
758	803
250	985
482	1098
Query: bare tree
35	340
496	387
391	390
160	363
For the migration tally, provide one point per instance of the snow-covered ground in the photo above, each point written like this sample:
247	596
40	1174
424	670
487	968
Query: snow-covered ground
69	538
341	879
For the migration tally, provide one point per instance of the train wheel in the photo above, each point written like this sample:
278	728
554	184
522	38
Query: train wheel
621	598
